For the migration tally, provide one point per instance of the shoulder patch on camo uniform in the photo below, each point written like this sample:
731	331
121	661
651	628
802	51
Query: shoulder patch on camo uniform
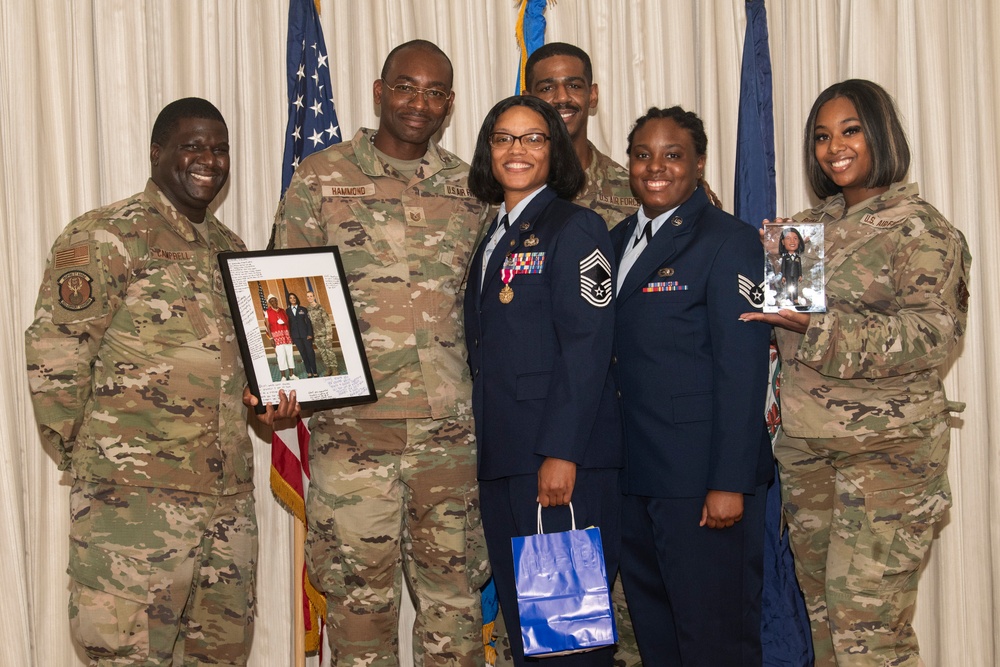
75	291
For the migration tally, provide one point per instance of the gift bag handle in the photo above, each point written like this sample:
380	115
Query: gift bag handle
572	517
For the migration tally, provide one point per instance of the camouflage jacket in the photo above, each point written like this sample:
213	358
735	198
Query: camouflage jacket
133	365
405	247
897	302
607	192
322	323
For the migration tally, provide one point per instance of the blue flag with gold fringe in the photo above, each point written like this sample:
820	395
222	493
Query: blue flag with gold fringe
530	33
785	635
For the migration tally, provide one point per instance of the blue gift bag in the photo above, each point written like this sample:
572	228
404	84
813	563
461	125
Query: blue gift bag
563	597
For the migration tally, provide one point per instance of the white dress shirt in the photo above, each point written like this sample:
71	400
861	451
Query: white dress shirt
498	233
639	240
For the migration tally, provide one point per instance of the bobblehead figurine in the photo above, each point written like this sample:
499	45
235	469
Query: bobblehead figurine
792	247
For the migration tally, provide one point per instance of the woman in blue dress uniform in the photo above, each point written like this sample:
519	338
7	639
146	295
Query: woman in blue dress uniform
539	324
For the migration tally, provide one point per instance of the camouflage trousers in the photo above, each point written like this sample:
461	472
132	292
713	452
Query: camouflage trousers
390	499
861	512
162	577
324	345
627	651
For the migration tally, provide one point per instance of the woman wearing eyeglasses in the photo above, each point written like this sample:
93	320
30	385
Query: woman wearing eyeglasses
539	323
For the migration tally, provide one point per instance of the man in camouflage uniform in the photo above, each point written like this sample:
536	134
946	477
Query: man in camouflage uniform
323	338
130	314
865	434
561	74
393	483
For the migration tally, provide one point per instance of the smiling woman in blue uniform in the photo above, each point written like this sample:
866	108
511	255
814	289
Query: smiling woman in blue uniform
692	379
539	326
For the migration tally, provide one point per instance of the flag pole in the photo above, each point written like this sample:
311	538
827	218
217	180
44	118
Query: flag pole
312	126
298	567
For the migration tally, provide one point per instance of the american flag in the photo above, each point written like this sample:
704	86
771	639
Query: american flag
312	126
312	116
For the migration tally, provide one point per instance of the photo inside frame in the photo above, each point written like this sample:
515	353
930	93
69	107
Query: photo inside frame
296	327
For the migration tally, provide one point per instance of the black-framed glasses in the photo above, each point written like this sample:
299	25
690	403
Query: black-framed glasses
434	97
532	141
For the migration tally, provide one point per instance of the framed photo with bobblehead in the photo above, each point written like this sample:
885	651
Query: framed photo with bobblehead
296	327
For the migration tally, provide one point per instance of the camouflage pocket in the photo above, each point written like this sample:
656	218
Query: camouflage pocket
455	249
895	535
109	602
373	229
165	310
477	562
324	564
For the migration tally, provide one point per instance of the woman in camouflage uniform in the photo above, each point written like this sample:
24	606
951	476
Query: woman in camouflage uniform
863	450
324	340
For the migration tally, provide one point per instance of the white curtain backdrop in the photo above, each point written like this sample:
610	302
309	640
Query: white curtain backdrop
82	80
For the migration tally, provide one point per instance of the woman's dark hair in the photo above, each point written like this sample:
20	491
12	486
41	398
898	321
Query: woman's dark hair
887	145
289	299
686	119
781	241
566	175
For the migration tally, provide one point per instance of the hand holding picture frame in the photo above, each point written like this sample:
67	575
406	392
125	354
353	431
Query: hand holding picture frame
296	327
793	268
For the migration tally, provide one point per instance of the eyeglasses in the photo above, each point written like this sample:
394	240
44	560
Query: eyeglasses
532	141
408	92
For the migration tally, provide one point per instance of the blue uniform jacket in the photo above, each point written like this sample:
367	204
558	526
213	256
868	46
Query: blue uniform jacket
299	325
692	377
541	363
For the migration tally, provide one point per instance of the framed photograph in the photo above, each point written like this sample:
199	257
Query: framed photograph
296	327
793	268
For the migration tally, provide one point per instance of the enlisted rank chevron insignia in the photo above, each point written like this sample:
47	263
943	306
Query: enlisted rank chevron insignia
751	291
595	279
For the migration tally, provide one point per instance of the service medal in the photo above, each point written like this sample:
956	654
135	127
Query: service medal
506	275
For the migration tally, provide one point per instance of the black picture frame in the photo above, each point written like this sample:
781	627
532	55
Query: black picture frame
247	278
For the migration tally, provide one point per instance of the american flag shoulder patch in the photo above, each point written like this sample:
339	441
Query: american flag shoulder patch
78	255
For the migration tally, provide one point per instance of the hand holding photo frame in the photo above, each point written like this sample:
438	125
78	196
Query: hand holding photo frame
296	327
793	268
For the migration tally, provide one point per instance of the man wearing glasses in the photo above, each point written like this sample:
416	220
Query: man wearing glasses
394	483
